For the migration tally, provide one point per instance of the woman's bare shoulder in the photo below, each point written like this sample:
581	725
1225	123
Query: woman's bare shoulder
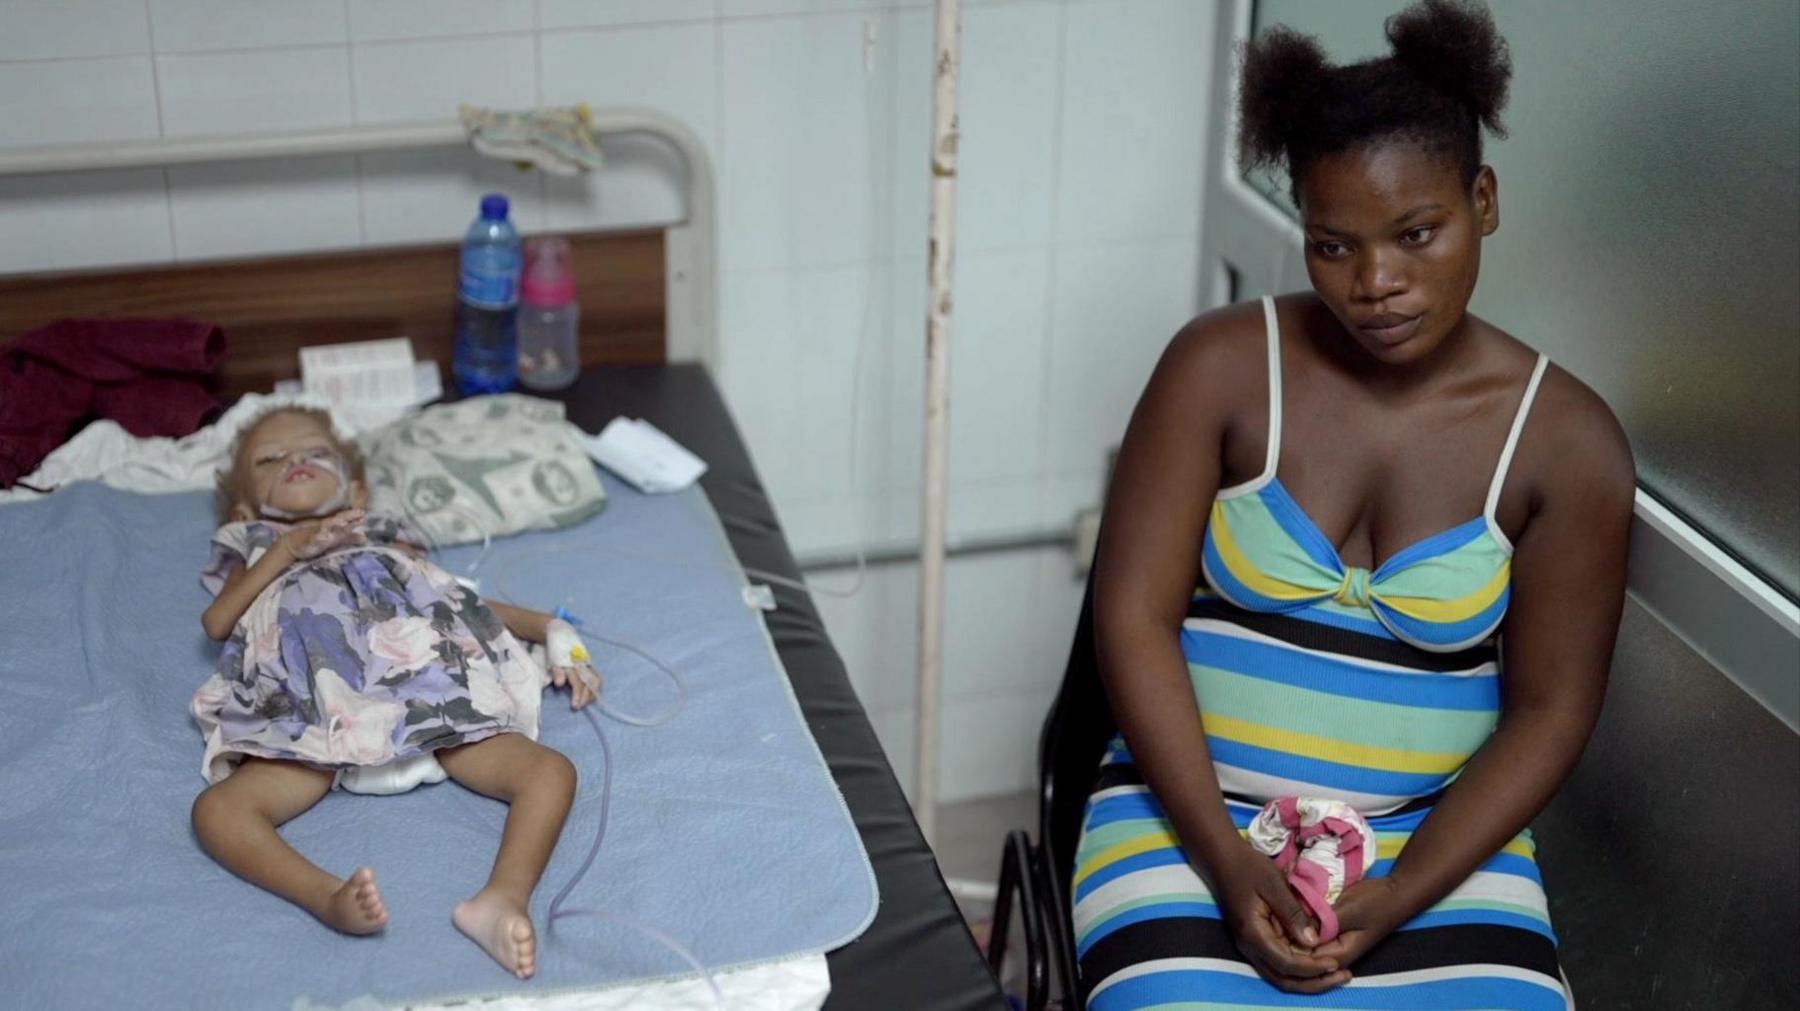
1221	349
1572	449
1574	446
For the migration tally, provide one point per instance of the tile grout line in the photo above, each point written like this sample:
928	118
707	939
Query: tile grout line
537	53
1047	692
475	36
968	251
537	82
1046	357
356	161
169	207
718	174
889	363
155	77
156	93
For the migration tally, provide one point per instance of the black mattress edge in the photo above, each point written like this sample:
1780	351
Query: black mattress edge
917	953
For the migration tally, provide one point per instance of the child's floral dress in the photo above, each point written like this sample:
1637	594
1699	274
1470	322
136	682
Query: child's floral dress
365	656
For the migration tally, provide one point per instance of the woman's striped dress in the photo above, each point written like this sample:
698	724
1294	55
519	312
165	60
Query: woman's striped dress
1316	678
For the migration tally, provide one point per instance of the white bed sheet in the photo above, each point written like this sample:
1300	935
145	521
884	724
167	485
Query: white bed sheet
800	983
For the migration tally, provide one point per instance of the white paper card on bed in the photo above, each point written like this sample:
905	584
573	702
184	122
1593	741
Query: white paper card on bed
428	383
640	453
363	372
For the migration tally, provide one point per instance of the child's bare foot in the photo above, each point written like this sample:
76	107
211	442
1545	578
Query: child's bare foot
502	926
356	906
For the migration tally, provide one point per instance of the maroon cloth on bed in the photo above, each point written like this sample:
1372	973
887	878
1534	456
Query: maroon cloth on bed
146	374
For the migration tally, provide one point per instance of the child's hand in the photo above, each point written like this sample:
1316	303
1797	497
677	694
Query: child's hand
570	663
313	538
583	682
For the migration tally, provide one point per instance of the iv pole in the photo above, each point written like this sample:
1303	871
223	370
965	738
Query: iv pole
934	507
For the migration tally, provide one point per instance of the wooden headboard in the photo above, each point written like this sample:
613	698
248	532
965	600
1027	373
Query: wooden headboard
271	307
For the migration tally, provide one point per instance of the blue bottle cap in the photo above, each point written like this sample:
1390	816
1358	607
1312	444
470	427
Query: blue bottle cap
493	207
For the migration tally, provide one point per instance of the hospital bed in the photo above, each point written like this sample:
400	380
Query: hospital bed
917	952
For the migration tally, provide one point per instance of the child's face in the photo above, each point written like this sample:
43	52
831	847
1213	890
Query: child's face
291	462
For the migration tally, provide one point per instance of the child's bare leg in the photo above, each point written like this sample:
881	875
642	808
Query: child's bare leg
539	783
236	820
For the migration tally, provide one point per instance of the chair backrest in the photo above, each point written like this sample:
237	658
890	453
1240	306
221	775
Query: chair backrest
1074	737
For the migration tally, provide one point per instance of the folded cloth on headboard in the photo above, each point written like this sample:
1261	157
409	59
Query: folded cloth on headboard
147	375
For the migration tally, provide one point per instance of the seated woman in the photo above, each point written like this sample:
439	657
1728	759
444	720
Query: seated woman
1409	535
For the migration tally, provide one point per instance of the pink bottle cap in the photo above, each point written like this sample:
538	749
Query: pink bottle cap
549	272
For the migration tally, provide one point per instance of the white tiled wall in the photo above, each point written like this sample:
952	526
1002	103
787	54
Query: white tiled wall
202	25
1078	210
57	29
108	98
1009	621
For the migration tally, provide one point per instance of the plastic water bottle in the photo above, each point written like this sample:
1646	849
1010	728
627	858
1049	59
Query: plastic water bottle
549	318
488	296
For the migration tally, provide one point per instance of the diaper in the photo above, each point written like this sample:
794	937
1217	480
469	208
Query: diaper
392	778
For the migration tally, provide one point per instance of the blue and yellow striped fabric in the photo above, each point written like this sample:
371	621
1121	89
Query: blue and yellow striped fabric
1320	679
1446	592
1308	707
1315	701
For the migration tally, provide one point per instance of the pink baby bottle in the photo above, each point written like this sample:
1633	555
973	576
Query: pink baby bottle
549	318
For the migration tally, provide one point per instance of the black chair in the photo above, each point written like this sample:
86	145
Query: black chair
1074	737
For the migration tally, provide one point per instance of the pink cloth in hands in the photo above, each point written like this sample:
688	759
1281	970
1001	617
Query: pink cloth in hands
1325	846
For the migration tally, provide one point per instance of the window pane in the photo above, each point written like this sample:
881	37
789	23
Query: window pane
1650	234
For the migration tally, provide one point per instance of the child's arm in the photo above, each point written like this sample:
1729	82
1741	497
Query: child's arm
241	587
307	540
531	626
576	671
